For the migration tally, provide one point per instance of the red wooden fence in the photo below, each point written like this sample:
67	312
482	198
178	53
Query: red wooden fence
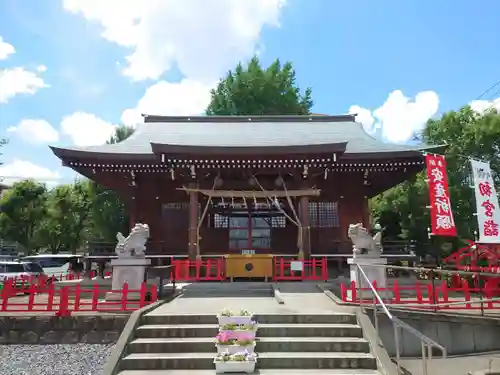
421	295
286	269
39	297
199	270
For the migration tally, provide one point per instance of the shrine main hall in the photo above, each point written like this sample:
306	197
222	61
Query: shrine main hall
218	185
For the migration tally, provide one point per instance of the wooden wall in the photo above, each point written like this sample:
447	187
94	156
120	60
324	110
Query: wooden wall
155	190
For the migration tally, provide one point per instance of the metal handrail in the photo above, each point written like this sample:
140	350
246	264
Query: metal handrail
426	342
470	302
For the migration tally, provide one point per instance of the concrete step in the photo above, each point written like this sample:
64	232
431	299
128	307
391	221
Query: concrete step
264	344
265	330
269	360
309	330
312	344
316	360
330	318
259	289
261	372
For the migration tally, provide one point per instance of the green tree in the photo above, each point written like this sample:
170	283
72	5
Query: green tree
121	133
23	207
252	90
467	134
108	212
68	211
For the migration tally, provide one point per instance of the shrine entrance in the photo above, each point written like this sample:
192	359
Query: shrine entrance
249	233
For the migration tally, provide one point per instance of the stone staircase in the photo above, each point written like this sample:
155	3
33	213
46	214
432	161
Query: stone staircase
286	344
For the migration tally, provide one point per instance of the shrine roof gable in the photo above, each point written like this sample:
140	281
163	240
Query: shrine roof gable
233	132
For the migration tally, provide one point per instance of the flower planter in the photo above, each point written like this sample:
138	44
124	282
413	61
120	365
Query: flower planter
246	367
233	349
235	334
234	320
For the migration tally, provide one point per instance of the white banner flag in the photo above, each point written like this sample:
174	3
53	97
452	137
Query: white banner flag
488	211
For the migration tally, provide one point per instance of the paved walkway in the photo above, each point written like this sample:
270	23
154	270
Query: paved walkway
298	298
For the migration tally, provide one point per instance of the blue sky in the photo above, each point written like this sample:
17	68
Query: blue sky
71	70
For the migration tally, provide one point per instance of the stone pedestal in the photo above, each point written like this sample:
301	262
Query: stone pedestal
374	270
130	271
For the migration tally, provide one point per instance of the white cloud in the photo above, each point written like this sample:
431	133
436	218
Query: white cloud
21	169
184	98
6	49
203	39
400	117
35	131
41	68
363	116
86	129
17	81
482	106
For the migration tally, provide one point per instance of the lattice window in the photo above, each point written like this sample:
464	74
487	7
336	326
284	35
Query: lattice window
313	214
220	221
278	221
324	215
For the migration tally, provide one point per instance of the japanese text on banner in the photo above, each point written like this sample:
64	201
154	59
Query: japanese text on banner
488	212
442	222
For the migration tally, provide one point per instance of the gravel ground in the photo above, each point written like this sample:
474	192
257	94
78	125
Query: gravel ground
75	359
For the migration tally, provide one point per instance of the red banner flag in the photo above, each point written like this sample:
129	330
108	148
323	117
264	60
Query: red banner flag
442	222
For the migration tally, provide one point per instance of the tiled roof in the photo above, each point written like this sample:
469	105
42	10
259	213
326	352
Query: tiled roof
255	132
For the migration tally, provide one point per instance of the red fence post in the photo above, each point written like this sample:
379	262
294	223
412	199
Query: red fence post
343	292
78	297
324	269
6	293
64	302
142	294
444	289
208	272
396	292
32	294
50	297
124	297
418	292
466	290
489	290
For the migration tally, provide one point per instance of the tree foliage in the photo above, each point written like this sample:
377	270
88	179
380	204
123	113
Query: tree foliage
62	218
23	208
252	90
467	134
67	217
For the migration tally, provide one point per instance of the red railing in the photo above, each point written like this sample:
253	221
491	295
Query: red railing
39	297
198	270
286	269
427	296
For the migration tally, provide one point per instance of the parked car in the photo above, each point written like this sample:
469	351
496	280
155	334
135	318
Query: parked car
55	266
19	270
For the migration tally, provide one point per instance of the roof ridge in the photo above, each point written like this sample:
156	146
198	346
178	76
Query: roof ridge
250	118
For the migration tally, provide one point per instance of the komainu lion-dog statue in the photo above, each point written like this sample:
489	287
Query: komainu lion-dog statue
134	245
363	243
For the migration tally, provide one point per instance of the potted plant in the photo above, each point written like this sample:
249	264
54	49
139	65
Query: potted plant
242	362
227	316
226	344
235	331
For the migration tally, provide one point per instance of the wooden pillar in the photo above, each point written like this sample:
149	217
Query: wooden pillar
193	225
306	227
